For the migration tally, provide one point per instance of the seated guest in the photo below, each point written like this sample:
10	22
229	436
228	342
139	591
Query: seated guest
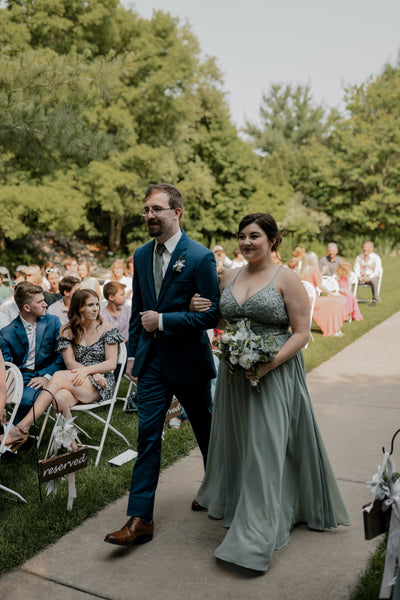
70	265
17	277
34	275
221	257
5	290
53	293
30	342
329	263
293	264
68	285
238	260
8	308
45	282
329	313
87	281
368	270
129	266
298	253
350	301
89	347
119	275
3	392
116	312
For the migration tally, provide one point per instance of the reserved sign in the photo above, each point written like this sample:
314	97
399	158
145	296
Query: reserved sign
60	465
174	410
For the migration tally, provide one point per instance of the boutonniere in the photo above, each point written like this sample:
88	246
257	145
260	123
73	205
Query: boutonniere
179	265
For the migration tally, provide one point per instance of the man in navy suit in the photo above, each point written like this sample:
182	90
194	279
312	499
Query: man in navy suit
169	344
30	342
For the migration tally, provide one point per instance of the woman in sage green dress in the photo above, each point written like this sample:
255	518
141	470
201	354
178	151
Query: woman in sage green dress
267	465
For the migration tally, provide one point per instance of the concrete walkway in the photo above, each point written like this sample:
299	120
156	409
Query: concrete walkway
356	400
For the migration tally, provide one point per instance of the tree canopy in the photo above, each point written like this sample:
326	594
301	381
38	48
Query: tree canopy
97	102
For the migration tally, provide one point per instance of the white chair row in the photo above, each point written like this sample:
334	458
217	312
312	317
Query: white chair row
15	387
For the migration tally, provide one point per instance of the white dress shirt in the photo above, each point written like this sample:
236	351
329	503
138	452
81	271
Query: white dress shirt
368	266
31	333
170	246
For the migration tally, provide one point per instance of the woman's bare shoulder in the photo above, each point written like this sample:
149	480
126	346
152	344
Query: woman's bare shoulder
105	326
288	279
228	277
66	332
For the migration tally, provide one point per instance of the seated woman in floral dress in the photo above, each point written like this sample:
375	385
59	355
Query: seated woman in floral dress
89	346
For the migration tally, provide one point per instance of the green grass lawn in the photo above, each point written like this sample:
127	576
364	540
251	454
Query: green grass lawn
27	528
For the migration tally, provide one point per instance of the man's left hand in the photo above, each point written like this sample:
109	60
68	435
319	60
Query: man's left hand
37	383
150	320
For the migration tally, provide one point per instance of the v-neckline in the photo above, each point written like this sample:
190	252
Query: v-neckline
252	295
255	293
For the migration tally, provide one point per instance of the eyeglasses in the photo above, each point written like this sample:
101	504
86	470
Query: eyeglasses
53	270
156	210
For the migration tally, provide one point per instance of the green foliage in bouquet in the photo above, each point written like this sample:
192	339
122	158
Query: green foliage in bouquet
240	348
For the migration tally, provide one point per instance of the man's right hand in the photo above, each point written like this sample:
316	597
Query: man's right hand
128	370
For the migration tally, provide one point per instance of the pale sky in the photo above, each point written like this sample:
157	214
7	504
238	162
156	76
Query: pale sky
318	42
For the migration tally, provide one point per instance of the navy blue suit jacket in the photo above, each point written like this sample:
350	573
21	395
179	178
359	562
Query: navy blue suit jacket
183	347
14	344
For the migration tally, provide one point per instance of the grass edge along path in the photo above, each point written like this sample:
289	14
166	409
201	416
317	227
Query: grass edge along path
25	529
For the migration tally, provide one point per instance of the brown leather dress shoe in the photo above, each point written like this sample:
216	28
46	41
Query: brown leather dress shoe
133	532
197	507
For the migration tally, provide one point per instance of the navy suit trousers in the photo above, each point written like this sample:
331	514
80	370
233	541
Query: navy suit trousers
154	395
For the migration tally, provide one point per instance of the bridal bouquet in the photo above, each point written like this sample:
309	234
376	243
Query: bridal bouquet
241	348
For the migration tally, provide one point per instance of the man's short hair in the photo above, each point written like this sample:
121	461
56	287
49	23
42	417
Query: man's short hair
111	288
24	293
67	283
175	198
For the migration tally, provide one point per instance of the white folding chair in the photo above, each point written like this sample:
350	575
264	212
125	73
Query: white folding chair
367	285
15	387
131	388
353	282
90	409
312	294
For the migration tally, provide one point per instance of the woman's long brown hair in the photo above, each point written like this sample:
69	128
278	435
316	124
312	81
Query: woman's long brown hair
78	302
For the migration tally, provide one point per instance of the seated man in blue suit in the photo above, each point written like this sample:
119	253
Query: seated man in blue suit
170	346
30	342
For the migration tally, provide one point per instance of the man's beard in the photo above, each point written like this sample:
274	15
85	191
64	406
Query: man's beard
154	228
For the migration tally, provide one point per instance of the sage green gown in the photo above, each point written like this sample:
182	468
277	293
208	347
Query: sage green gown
267	465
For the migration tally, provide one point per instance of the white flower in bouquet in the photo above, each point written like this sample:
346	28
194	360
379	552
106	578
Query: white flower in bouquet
242	348
65	433
380	484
